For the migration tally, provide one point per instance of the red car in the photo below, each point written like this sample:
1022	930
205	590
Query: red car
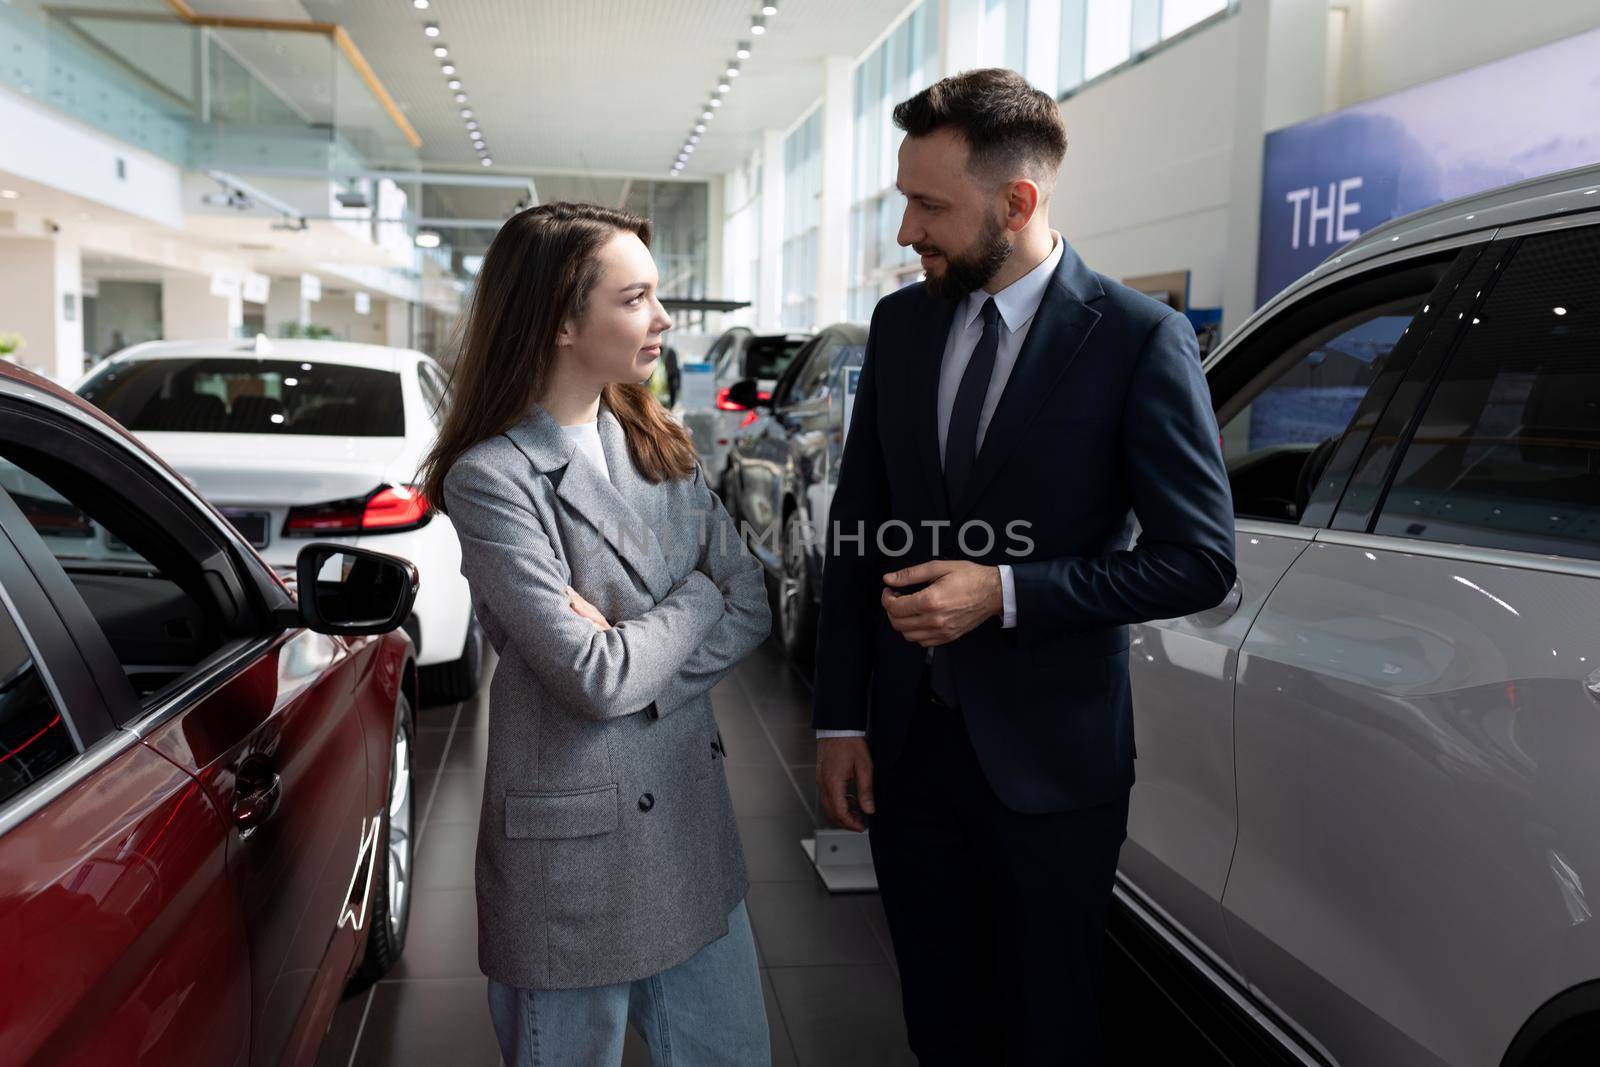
205	787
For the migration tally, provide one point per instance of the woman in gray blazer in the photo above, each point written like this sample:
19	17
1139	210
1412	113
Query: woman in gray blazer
617	592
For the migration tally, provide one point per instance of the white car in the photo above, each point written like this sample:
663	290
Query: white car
294	440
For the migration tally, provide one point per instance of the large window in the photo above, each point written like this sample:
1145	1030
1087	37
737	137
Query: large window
1100	35
1507	454
802	216
1005	28
904	64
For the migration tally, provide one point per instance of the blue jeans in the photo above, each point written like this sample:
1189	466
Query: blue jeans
708	1010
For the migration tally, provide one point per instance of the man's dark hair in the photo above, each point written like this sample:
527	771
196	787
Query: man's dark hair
1009	126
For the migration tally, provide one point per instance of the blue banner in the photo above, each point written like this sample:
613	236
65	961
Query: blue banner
1329	180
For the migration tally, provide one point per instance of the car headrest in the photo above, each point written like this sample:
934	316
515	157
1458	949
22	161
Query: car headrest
254	413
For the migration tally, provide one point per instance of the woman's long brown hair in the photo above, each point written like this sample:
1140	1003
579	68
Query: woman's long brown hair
538	273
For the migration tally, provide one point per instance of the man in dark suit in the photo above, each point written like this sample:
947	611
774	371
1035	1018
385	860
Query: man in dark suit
1016	413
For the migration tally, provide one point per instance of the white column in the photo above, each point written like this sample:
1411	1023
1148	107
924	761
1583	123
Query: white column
190	312
769	298
833	237
41	298
397	322
712	285
961	35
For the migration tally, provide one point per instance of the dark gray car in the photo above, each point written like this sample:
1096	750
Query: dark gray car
782	471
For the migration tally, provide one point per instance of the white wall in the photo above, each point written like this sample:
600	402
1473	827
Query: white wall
1407	42
77	159
1145	185
337	311
189	311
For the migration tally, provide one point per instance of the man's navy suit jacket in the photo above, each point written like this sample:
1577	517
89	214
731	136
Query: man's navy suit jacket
1105	418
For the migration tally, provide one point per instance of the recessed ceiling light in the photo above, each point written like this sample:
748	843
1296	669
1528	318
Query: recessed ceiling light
699	127
473	126
461	98
688	149
447	69
431	29
1558	311
723	87
714	102
743	51
466	112
440	50
420	5
453	83
427	239
732	71
488	162
10	194
694	139
770	7
707	116
758	24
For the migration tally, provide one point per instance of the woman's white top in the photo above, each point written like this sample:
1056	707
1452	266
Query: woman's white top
586	435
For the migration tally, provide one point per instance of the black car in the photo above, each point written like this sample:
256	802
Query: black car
783	468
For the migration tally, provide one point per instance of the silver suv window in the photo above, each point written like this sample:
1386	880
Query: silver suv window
1507	452
1299	405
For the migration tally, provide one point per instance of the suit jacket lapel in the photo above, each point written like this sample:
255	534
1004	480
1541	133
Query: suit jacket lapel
587	491
1054	339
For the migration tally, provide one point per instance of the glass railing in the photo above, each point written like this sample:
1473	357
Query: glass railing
202	91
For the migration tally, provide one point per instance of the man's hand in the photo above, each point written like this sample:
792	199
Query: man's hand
839	759
586	609
962	595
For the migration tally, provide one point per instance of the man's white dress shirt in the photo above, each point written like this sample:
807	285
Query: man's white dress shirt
1017	304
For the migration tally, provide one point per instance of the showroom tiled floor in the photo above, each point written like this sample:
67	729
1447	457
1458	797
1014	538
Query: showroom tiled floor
833	993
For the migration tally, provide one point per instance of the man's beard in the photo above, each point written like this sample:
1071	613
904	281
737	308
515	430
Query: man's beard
972	270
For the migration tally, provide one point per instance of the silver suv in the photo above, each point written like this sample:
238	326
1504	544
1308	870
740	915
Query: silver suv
1368	799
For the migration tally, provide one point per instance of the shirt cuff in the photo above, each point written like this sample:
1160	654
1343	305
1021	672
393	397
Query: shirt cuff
1008	598
840	733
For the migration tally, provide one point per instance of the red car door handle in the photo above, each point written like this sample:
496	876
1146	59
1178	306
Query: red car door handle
259	790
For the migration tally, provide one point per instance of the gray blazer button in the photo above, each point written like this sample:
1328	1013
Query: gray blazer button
647	802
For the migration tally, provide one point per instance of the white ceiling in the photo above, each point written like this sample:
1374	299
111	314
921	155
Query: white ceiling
594	86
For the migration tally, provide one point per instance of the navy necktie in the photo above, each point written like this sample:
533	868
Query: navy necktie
961	436
960	450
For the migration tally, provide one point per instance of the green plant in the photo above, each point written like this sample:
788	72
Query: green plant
10	343
311	331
